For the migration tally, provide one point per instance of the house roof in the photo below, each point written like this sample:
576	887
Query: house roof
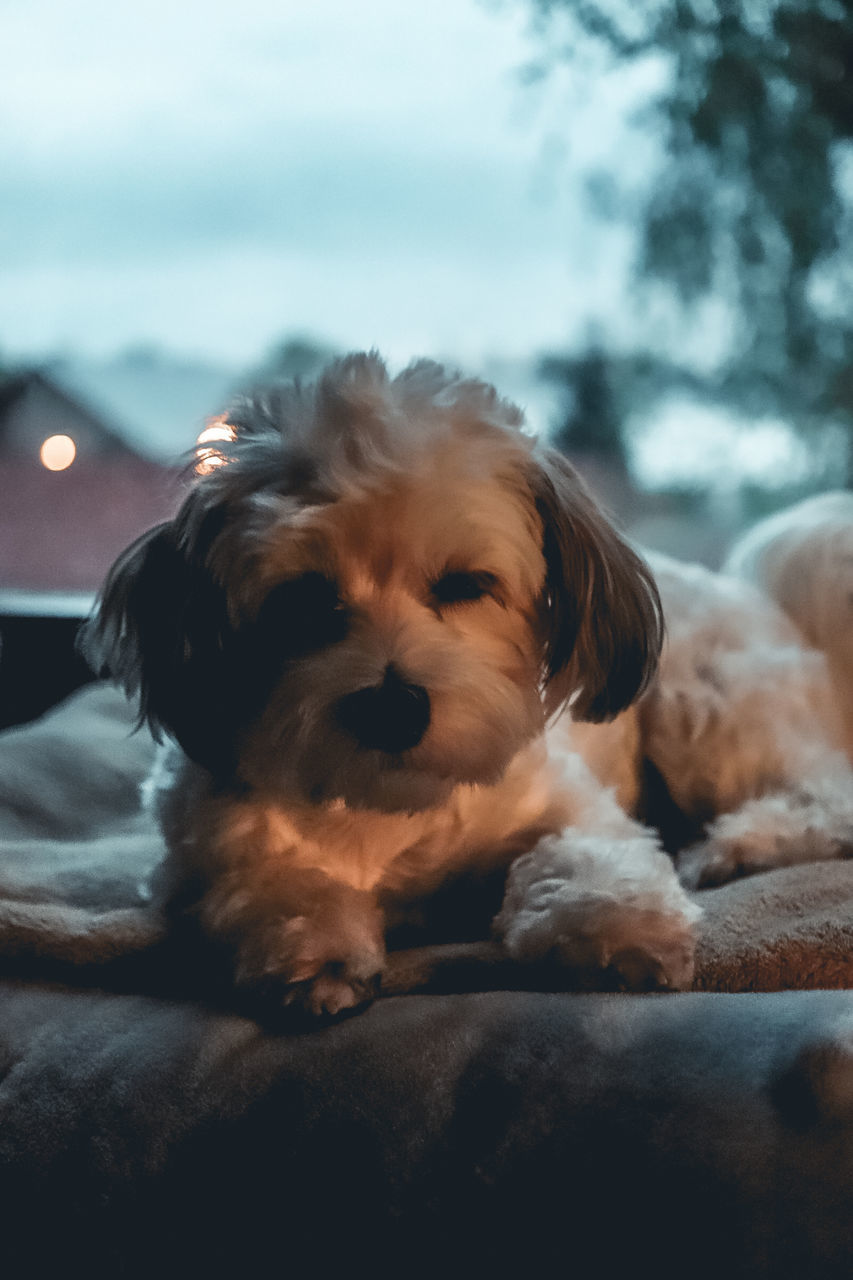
20	383
152	405
157	402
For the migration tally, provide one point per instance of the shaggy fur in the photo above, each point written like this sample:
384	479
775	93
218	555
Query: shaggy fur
743	725
355	631
803	559
390	639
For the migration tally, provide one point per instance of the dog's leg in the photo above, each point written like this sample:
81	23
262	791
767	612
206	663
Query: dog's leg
810	821
301	940
749	746
292	934
601	897
742	725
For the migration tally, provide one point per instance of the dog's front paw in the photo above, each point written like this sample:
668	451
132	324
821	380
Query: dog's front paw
613	916
334	991
664	962
303	966
328	975
610	943
303	942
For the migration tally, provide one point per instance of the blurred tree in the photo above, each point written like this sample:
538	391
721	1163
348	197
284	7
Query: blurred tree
592	419
293	357
753	203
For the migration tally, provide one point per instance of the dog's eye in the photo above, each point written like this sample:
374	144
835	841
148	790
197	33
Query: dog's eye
303	614
459	587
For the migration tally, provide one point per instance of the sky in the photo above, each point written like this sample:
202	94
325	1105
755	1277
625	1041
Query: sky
206	179
209	177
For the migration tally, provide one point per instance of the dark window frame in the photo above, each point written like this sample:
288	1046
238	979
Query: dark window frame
39	662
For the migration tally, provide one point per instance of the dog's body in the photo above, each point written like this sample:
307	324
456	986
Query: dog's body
803	559
743	724
360	631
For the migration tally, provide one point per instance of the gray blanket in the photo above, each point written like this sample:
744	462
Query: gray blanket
144	1131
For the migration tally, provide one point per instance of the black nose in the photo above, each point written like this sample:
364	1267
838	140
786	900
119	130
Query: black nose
392	716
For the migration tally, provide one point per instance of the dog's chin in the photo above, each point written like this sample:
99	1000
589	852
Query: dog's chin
372	782
388	791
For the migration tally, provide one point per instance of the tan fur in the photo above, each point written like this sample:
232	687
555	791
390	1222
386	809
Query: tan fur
394	641
803	559
743	723
353	728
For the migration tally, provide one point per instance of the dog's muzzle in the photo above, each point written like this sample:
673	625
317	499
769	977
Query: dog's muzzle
392	716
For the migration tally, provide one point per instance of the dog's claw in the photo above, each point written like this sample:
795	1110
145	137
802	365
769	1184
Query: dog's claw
330	994
640	970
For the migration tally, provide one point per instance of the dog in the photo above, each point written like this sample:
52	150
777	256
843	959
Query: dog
358	635
394	648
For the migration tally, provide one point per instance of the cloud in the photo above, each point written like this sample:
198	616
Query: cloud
302	190
210	175
232	304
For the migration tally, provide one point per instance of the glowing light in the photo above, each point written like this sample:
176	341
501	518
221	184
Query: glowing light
207	460
217	429
57	453
207	457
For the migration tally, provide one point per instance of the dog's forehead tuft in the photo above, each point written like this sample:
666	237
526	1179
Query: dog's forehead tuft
356	421
366	424
357	436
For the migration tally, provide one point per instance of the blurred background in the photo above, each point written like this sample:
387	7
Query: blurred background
635	218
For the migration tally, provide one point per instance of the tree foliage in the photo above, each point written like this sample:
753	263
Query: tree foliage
294	356
753	203
592	416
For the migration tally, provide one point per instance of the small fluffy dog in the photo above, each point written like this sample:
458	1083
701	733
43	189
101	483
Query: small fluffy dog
395	644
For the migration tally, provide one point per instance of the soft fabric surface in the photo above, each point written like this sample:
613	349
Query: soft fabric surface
146	1130
499	1134
77	855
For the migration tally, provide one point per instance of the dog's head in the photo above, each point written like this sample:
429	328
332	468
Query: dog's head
383	591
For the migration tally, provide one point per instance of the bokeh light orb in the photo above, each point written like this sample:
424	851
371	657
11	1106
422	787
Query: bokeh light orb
57	453
208	458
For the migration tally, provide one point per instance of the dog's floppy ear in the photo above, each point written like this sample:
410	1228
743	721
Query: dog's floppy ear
602	623
160	629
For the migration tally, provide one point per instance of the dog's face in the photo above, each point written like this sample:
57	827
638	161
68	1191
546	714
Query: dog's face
380	594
